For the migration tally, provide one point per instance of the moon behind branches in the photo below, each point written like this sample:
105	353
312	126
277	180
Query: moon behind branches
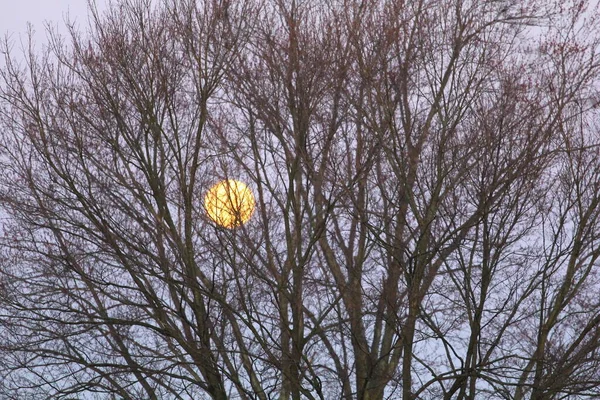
229	203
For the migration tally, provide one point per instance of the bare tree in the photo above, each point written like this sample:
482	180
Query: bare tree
427	219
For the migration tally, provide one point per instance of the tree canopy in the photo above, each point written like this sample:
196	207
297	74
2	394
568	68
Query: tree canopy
426	184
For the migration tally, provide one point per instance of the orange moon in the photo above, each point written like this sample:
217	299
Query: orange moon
229	203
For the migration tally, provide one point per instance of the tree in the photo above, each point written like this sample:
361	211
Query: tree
427	193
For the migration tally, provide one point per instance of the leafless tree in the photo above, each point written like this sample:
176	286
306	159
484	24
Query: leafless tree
427	186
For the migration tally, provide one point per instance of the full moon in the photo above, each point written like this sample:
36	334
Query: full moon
229	203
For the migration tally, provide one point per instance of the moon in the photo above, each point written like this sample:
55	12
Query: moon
229	203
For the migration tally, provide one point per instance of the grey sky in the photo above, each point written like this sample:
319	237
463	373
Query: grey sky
15	14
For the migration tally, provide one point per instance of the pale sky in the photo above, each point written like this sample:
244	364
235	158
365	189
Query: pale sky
15	14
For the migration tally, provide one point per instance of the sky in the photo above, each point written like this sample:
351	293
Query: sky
15	14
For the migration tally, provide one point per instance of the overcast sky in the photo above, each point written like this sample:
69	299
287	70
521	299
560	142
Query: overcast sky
15	14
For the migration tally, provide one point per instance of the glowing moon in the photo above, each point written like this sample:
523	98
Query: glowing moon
229	203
